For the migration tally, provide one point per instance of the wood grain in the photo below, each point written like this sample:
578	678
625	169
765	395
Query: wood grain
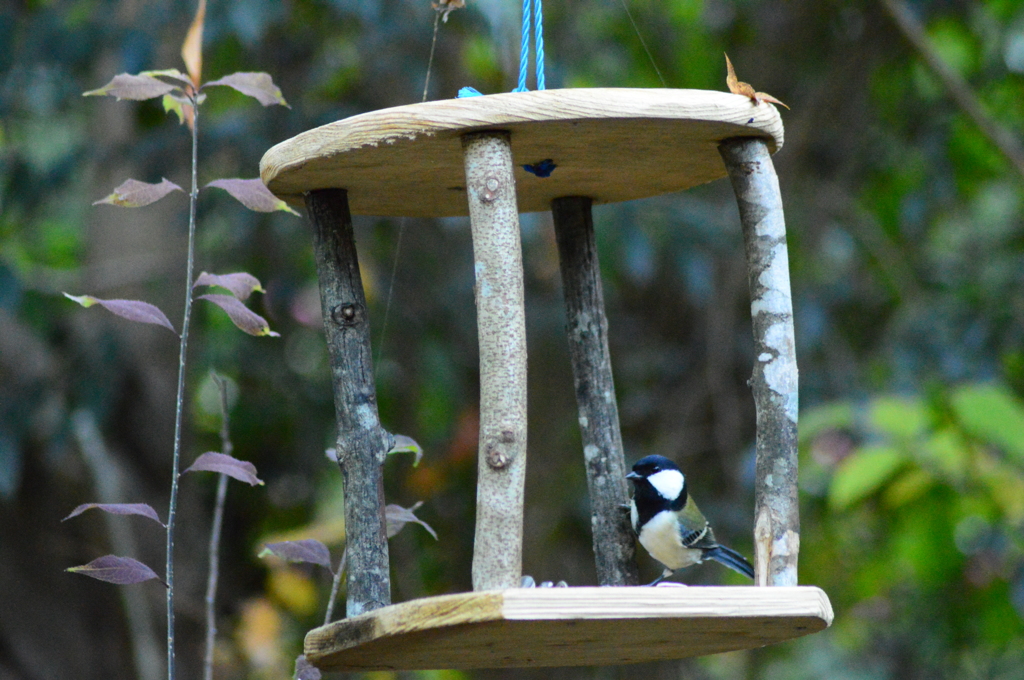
567	627
609	144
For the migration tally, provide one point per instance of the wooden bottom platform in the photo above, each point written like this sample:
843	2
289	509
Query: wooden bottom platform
534	627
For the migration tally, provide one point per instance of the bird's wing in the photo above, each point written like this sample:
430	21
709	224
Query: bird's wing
692	538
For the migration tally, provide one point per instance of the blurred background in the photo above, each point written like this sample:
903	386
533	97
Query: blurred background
902	182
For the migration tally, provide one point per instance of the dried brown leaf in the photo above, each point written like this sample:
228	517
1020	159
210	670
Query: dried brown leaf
192	48
737	86
446	7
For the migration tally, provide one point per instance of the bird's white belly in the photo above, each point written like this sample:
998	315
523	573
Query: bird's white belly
660	537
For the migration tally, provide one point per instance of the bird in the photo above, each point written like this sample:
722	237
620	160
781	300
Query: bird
668	523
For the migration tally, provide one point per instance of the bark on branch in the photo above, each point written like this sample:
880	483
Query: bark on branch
362	442
774	382
587	330
501	324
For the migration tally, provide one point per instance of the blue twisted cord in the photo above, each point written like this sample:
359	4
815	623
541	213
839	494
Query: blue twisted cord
524	52
538	39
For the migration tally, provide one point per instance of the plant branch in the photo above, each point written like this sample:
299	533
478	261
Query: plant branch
227	448
180	402
335	585
955	85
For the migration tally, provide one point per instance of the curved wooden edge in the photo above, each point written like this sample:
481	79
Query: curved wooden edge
609	144
567	627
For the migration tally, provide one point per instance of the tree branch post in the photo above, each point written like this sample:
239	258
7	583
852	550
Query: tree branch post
775	380
362	442
501	326
587	330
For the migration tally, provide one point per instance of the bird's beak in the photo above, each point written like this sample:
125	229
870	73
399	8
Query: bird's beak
633	475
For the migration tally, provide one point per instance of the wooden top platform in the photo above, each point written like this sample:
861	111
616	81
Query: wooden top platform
534	627
611	144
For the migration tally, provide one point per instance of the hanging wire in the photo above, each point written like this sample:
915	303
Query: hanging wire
636	29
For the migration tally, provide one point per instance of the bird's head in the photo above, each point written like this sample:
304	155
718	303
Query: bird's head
657	475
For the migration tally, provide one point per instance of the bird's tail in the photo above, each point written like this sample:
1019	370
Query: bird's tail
731	559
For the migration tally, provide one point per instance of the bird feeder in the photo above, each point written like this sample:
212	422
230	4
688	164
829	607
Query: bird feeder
493	157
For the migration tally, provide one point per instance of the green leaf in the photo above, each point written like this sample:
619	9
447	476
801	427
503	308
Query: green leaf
900	417
946	453
862	474
827	417
908	487
992	413
172	103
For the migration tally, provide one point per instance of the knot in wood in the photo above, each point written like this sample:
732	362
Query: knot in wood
491	185
496	458
347	314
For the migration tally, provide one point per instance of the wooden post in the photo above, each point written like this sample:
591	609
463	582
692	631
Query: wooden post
501	326
774	381
587	329
362	442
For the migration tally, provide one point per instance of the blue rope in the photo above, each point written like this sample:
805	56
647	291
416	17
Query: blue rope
538	38
524	51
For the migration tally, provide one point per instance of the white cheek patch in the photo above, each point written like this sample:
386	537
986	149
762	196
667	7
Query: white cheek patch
668	483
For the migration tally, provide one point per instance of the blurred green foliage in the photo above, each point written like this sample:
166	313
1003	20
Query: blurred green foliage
907	256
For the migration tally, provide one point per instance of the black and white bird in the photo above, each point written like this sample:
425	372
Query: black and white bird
669	524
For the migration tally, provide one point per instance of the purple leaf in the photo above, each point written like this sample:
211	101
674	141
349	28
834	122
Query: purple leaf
241	284
243	317
307	550
253	194
133	310
259	86
211	461
304	670
119	570
118	509
137	87
397	517
404	444
172	73
135	194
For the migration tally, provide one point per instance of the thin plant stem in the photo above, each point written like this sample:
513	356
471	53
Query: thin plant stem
180	402
211	581
227	448
335	586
